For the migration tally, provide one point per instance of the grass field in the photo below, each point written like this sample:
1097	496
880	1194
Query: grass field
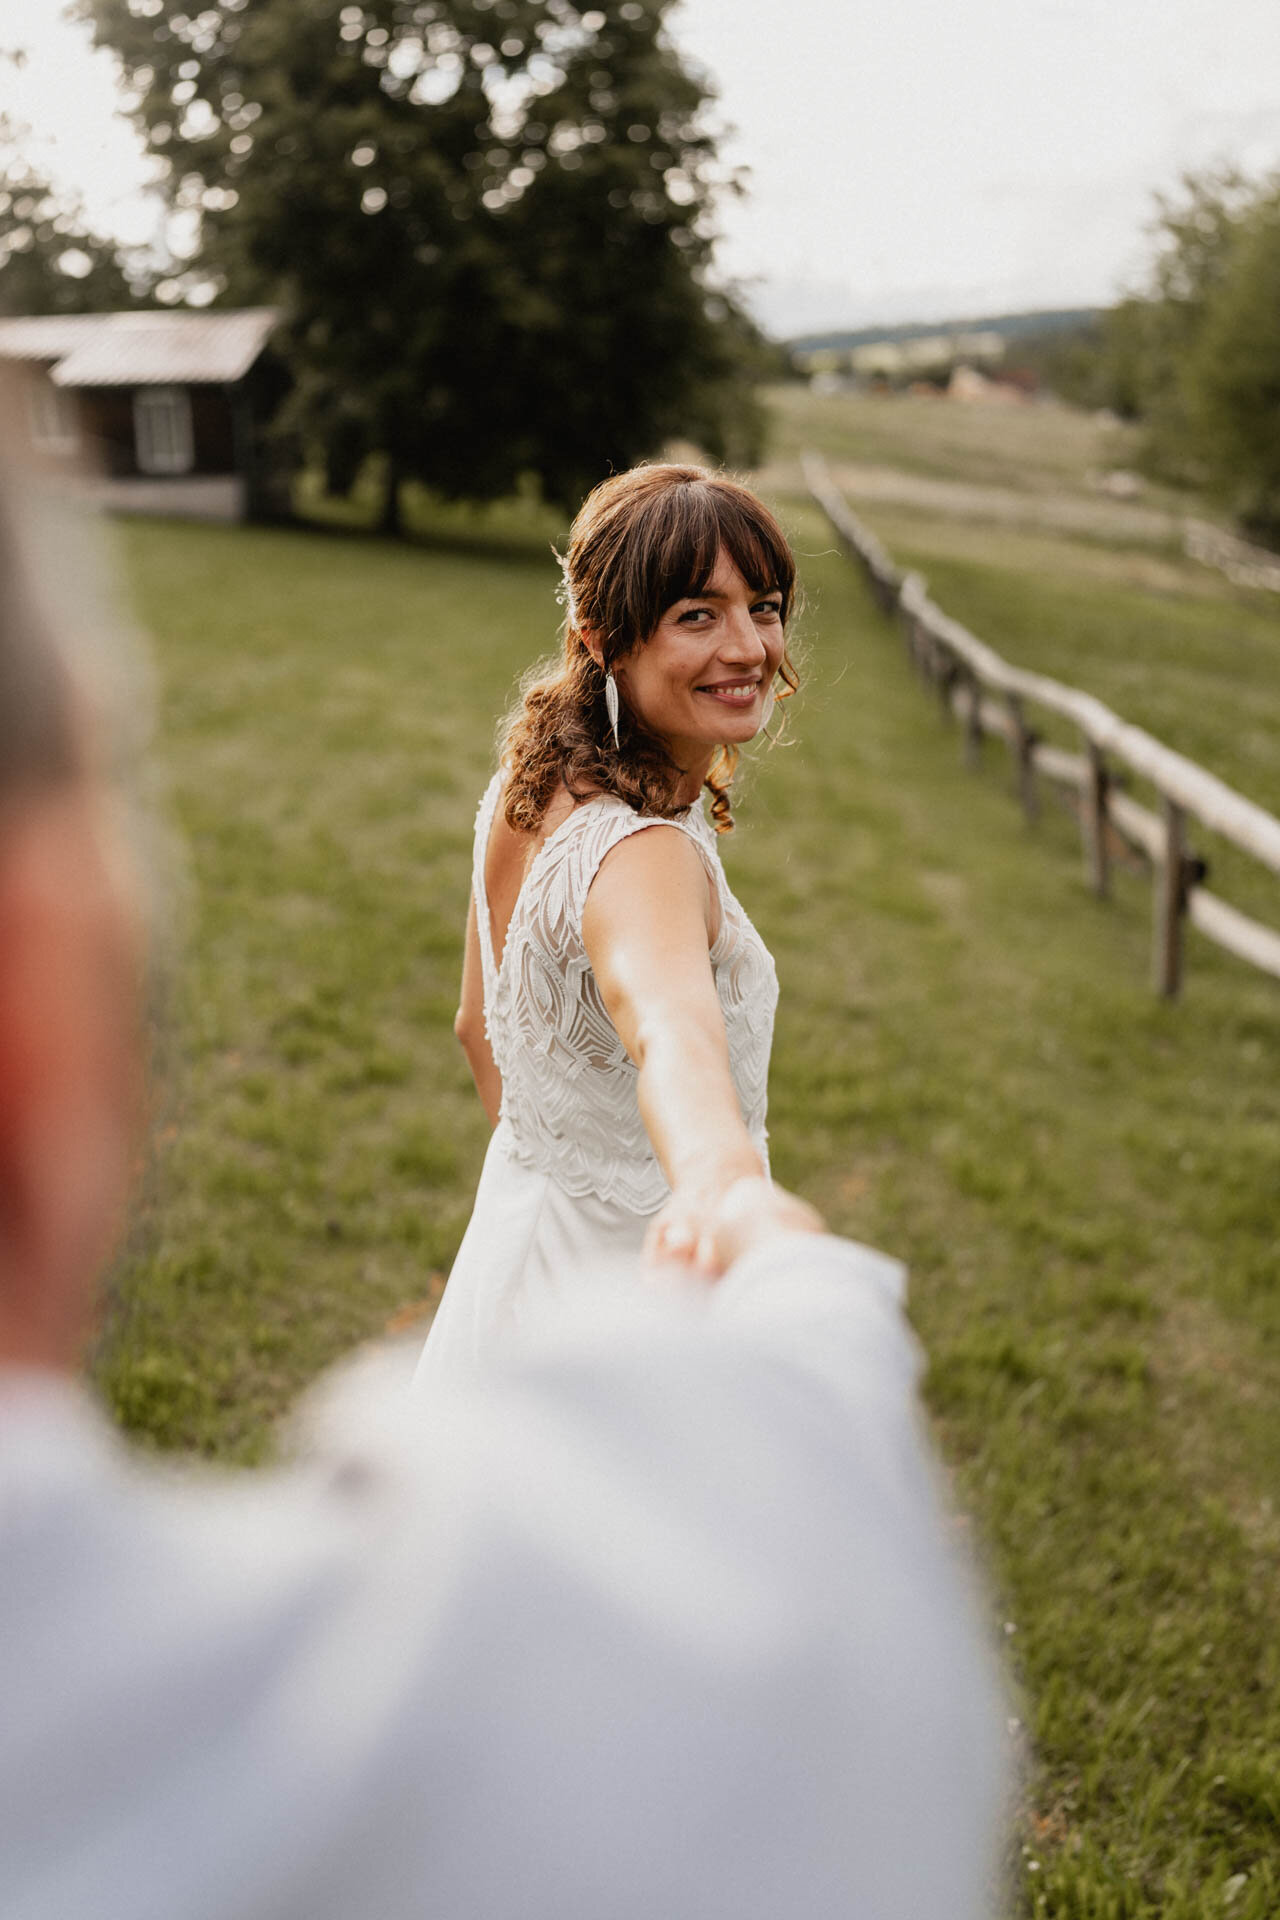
1168	643
969	1070
1027	448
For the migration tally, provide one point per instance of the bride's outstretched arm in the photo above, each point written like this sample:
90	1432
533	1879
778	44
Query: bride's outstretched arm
469	1024
647	928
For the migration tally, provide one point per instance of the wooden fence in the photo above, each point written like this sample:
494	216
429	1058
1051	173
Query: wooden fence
991	697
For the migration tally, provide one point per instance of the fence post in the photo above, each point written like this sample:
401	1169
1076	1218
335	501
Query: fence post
1093	821
1170	900
1021	742
921	648
914	638
944	677
972	721
936	665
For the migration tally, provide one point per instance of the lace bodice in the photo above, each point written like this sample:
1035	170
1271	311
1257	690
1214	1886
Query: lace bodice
569	1104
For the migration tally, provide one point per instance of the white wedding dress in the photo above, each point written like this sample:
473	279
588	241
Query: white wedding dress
570	1181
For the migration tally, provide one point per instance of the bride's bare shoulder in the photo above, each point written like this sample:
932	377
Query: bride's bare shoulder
511	849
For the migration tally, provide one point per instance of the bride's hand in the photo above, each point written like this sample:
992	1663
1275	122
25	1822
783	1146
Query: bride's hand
706	1228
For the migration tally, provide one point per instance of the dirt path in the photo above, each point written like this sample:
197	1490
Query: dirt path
1058	511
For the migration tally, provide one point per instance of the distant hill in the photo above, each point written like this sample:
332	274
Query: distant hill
1010	326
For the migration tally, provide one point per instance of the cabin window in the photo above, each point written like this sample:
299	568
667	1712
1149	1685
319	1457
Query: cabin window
52	418
162	429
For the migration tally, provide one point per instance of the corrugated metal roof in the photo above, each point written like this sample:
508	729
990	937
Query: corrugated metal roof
48	337
150	348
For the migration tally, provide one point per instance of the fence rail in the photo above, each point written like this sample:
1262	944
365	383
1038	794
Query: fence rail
992	698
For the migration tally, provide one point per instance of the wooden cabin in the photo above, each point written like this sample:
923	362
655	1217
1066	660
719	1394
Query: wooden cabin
166	406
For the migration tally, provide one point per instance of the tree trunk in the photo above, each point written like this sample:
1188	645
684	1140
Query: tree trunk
390	522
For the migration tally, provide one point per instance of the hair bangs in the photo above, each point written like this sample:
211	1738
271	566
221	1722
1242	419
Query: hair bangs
687	527
685	546
756	545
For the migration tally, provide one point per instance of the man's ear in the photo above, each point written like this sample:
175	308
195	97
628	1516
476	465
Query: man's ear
69	1073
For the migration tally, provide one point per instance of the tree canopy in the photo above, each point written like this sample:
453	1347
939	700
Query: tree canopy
1195	355
50	261
488	224
1234	371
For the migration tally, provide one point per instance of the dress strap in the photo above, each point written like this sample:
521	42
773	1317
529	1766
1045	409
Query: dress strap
605	824
484	921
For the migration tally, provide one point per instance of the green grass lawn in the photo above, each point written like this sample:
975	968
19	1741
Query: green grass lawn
328	711
969	1070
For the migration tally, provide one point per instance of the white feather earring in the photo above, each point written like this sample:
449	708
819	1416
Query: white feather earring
611	705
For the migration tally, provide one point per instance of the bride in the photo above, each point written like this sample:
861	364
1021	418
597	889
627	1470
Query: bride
617	1004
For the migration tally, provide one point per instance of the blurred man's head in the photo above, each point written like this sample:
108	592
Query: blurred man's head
69	950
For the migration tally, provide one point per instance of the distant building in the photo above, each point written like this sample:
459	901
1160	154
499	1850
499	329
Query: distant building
166	406
899	358
972	388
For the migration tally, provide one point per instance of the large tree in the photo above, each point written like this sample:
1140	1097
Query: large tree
487	222
1195	357
1233	372
1153	337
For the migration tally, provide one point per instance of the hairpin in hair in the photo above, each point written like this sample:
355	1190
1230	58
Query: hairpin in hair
565	595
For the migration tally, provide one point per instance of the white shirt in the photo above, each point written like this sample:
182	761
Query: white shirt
660	1621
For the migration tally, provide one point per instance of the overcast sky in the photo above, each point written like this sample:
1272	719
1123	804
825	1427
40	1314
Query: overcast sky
907	159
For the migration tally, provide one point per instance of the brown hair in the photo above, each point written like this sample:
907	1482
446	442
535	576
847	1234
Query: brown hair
642	541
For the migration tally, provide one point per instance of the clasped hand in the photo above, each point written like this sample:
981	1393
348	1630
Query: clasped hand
707	1225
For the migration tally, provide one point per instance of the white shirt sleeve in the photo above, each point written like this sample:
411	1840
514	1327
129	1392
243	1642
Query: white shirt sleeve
661	1621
